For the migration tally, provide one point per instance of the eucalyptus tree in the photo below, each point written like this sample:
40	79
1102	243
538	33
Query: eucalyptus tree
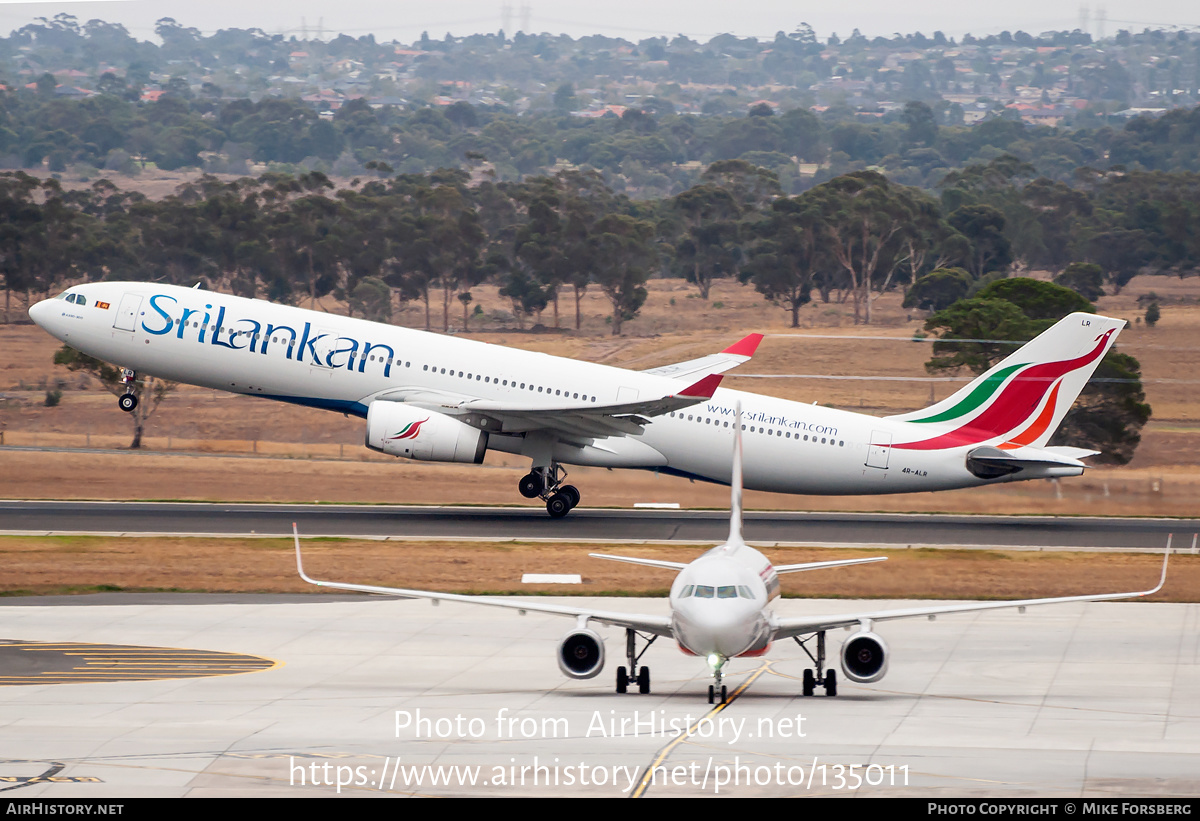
623	255
786	253
867	222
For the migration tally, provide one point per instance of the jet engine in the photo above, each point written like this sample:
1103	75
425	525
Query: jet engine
581	654
398	429
865	657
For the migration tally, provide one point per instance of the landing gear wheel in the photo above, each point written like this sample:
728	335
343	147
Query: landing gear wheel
711	693
810	685
572	494
644	681
127	402
558	506
622	680
724	694
530	485
830	683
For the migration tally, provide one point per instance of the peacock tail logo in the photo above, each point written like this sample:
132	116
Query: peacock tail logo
410	431
1008	403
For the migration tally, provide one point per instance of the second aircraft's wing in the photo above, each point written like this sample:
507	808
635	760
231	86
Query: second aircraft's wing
657	625
787	628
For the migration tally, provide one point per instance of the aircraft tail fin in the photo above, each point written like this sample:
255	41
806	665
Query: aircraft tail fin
735	481
1025	397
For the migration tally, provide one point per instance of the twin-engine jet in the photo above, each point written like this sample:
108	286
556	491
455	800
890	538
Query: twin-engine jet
720	609
443	398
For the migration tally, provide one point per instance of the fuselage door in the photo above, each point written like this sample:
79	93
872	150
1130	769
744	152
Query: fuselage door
127	312
880	449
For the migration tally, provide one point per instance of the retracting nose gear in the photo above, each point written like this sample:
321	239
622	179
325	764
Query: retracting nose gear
128	401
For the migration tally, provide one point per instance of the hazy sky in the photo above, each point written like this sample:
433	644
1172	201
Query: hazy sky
404	20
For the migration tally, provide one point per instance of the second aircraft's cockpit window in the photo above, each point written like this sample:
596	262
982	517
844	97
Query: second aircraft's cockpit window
703	591
727	591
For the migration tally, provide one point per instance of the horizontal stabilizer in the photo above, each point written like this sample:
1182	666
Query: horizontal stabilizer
988	462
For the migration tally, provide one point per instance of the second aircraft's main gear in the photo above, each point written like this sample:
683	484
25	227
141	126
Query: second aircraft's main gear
632	674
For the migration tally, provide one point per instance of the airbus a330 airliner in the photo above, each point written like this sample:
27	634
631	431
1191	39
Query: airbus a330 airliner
720	609
443	398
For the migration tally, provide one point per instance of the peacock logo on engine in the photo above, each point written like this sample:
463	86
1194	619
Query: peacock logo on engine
410	431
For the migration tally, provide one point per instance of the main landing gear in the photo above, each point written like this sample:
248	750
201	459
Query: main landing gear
547	483
812	677
632	675
128	401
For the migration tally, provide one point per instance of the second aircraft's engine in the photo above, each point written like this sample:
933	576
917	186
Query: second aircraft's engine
864	657
581	654
402	430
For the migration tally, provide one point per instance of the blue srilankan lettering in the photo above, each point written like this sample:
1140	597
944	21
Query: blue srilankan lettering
777	421
162	322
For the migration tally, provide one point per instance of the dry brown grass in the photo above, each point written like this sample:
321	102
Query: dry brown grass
39	565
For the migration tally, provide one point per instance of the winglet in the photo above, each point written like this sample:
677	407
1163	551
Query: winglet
299	561
745	347
704	389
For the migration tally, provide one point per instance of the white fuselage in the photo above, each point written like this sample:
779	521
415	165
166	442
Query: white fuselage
719	602
339	363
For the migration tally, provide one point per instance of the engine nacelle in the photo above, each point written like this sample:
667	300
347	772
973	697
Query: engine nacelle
398	429
864	657
581	654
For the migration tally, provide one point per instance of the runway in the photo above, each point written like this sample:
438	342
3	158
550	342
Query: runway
388	696
584	524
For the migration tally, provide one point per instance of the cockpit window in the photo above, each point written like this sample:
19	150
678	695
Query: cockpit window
727	591
80	299
744	592
703	591
687	591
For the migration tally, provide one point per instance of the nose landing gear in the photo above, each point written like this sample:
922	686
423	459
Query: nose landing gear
717	663
547	483
128	401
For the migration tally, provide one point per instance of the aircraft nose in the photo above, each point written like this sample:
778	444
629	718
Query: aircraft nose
40	312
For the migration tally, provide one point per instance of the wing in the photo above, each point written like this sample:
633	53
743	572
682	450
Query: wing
658	625
786	628
797	568
572	420
731	357
662	564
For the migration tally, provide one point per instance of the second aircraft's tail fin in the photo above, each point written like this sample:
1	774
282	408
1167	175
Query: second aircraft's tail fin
1025	397
735	481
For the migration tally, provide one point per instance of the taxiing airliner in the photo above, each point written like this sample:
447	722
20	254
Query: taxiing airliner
720	609
442	398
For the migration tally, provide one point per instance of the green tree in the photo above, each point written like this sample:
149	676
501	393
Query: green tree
1084	278
938	290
